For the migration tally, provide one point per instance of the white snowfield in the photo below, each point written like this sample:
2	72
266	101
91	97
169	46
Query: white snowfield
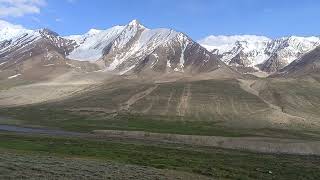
259	49
92	43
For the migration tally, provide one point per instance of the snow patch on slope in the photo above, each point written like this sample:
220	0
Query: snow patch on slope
127	70
183	43
92	44
14	76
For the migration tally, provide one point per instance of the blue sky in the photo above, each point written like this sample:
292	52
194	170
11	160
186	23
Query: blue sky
197	18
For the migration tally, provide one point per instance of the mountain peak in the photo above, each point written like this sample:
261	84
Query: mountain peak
93	31
135	23
47	32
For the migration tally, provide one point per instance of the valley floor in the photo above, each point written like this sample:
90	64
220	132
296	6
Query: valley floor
34	157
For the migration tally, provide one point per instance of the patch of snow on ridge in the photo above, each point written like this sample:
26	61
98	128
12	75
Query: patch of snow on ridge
14	76
127	70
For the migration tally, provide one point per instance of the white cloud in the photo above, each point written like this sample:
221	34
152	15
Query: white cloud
5	24
58	20
18	8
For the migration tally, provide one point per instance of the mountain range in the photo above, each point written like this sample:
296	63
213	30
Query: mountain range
135	49
259	52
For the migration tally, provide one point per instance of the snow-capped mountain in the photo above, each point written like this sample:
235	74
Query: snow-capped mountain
34	53
308	64
285	50
259	51
18	43
135	48
126	49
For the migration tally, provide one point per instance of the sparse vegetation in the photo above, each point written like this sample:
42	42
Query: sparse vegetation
29	165
218	163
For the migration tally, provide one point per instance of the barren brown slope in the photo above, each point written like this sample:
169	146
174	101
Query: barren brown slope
231	103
